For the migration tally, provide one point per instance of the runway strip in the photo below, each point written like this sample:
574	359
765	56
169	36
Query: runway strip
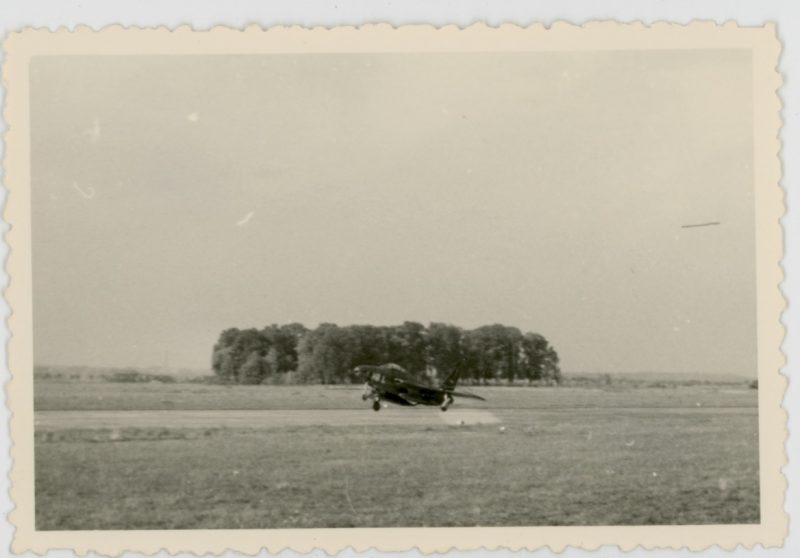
65	420
391	415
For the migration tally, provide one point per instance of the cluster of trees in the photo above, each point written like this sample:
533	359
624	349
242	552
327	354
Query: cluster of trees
292	353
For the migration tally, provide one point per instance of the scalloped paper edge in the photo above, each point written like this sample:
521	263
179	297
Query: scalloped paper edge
21	46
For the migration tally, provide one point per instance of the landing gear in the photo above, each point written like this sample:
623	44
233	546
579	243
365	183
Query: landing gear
447	402
376	405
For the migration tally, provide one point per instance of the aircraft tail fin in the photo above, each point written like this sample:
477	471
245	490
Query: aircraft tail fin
449	383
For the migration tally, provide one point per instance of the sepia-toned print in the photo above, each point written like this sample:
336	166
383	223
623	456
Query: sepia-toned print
281	288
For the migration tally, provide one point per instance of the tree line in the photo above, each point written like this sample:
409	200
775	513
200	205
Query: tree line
292	353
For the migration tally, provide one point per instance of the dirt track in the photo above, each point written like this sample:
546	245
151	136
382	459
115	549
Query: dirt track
62	420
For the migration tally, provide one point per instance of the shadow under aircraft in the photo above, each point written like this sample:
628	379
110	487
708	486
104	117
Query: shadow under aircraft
390	382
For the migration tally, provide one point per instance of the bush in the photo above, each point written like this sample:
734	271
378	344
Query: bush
210	380
134	376
126	376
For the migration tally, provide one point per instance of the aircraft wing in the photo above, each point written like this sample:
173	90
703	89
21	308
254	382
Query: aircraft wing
396	398
466	395
404	387
413	387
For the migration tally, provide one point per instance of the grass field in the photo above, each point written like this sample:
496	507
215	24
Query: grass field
58	395
684	455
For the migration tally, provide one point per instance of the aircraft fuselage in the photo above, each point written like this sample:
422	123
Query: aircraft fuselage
393	384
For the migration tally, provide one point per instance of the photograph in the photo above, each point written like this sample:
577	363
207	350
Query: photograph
368	287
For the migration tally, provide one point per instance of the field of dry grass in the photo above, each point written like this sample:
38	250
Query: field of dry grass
61	395
563	457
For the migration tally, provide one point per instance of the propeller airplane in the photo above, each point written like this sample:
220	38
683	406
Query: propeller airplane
391	383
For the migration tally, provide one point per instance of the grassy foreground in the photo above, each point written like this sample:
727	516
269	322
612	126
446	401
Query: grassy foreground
580	463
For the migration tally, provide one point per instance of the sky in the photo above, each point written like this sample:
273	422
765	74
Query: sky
177	196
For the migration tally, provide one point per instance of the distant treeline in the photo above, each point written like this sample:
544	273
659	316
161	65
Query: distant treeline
295	354
124	375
